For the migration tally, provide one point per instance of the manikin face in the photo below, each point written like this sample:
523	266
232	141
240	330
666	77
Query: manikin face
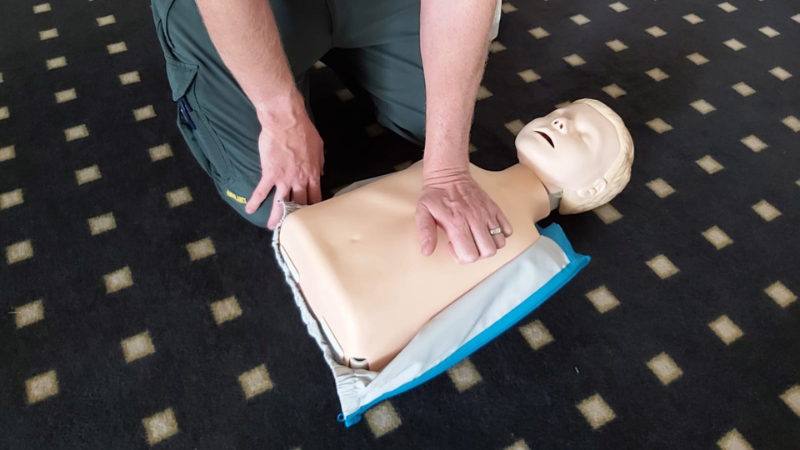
569	149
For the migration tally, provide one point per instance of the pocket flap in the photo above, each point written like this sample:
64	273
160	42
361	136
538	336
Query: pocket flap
180	77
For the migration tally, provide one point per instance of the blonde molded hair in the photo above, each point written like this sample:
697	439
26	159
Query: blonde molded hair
618	174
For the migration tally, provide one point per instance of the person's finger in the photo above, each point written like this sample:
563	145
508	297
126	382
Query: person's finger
508	230
427	230
299	195
499	238
483	239
314	192
259	194
281	193
452	252
461	236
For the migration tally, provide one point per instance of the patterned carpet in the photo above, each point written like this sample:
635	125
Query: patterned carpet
140	311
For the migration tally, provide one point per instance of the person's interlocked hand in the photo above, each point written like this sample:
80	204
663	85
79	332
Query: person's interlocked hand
291	160
455	202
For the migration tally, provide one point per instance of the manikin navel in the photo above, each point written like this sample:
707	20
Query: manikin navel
357	256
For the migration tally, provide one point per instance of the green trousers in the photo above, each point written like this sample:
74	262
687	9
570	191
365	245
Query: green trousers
373	42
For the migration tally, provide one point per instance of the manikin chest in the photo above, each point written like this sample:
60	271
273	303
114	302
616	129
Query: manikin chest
358	259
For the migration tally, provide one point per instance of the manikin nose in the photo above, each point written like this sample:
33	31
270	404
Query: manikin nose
560	124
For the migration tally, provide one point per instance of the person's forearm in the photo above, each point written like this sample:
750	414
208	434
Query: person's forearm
246	36
454	38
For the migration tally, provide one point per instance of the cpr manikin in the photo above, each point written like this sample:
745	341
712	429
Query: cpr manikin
357	257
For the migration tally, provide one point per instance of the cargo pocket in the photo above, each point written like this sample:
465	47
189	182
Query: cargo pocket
203	141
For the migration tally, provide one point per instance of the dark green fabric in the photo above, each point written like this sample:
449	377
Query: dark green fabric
374	44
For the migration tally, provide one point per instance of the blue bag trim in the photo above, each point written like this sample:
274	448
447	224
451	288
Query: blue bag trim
576	263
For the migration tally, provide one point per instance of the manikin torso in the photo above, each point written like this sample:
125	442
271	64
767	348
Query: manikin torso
372	287
358	258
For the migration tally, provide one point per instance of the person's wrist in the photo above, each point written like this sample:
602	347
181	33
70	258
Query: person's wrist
444	166
285	107
443	175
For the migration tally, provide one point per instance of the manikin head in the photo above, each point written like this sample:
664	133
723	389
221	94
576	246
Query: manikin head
583	151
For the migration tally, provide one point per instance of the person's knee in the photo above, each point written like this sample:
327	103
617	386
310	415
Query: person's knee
410	125
417	130
237	194
406	115
258	218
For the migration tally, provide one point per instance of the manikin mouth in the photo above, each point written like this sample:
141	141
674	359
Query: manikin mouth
547	138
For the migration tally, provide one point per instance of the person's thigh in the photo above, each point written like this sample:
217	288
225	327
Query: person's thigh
378	44
217	120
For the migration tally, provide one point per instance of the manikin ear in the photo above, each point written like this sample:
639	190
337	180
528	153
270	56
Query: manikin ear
597	187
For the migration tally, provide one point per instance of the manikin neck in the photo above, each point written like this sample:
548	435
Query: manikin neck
523	171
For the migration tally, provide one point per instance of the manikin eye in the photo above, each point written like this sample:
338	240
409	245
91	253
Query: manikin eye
547	138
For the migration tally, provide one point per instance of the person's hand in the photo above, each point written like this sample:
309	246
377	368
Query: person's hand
455	202
291	159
